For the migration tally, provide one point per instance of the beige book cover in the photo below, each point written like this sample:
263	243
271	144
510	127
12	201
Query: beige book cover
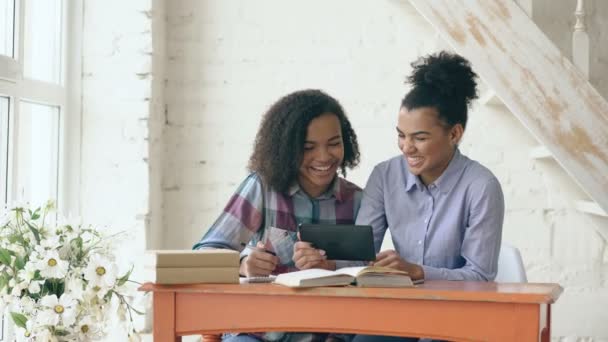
364	276
193	275
192	258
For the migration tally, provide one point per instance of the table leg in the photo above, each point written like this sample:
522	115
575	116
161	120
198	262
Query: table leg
164	317
545	335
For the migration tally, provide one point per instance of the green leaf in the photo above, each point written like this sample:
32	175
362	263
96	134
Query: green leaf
61	332
19	319
5	257
122	280
34	231
4	279
20	262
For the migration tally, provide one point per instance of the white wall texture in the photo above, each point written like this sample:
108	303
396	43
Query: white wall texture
120	128
169	120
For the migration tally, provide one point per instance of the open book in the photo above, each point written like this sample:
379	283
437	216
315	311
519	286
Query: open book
364	276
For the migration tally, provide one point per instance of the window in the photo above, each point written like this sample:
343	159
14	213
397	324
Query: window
7	22
42	41
36	152
4	107
39	103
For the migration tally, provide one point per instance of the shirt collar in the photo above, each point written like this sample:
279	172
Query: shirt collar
334	190
411	180
452	173
445	182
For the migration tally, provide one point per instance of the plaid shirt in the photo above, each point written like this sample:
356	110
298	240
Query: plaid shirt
257	213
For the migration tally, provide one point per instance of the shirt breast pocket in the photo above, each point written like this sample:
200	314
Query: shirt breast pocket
281	242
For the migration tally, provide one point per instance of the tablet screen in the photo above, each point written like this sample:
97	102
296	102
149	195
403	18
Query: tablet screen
341	242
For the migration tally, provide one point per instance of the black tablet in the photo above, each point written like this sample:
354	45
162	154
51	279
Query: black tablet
341	242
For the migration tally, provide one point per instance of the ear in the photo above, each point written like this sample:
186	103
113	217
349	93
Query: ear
456	133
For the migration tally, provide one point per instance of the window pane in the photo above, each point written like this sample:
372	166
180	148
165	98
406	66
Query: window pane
7	24
4	108
42	50
36	153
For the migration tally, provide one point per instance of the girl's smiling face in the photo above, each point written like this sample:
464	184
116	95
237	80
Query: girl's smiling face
426	143
322	156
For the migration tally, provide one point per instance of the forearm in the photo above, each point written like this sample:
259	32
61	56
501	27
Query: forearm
464	273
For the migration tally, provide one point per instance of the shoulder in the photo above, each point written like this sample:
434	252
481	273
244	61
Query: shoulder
479	179
390	171
252	186
390	167
347	188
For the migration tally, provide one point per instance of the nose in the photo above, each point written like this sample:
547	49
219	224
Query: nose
408	146
324	154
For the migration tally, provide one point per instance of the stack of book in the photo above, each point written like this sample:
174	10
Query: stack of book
192	266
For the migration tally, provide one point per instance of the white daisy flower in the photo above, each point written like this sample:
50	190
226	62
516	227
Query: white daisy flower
63	309
100	272
75	286
87	330
28	272
51	266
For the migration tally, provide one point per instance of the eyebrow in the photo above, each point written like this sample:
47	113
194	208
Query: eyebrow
415	133
330	139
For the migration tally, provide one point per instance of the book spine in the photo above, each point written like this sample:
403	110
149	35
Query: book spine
191	275
172	261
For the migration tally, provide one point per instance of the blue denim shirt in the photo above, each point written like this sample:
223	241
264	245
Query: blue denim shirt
452	227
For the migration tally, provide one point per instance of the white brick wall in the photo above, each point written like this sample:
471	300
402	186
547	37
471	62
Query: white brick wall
120	127
170	153
228	61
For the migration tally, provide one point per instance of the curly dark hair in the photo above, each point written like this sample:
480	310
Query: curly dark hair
444	81
279	143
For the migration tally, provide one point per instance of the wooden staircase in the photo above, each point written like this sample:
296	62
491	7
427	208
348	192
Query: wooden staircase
534	81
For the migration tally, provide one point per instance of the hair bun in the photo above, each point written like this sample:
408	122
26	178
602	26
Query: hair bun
448	74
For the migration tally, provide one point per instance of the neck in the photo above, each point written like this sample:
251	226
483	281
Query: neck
434	174
312	190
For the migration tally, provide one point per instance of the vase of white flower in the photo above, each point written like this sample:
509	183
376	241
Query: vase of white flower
59	282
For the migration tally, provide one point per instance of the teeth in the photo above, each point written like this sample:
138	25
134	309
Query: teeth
414	159
322	168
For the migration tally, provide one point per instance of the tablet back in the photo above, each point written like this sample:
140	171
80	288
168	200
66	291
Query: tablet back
341	242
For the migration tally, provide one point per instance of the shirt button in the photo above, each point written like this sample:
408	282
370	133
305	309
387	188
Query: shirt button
420	242
426	221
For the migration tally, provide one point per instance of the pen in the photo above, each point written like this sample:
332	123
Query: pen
254	248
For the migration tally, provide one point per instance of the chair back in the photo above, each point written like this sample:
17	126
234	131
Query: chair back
510	266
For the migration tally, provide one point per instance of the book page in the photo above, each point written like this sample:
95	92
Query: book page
360	270
351	271
299	278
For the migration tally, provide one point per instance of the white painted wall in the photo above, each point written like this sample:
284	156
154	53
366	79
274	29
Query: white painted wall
169	153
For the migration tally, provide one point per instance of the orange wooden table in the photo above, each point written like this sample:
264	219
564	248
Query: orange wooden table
457	311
